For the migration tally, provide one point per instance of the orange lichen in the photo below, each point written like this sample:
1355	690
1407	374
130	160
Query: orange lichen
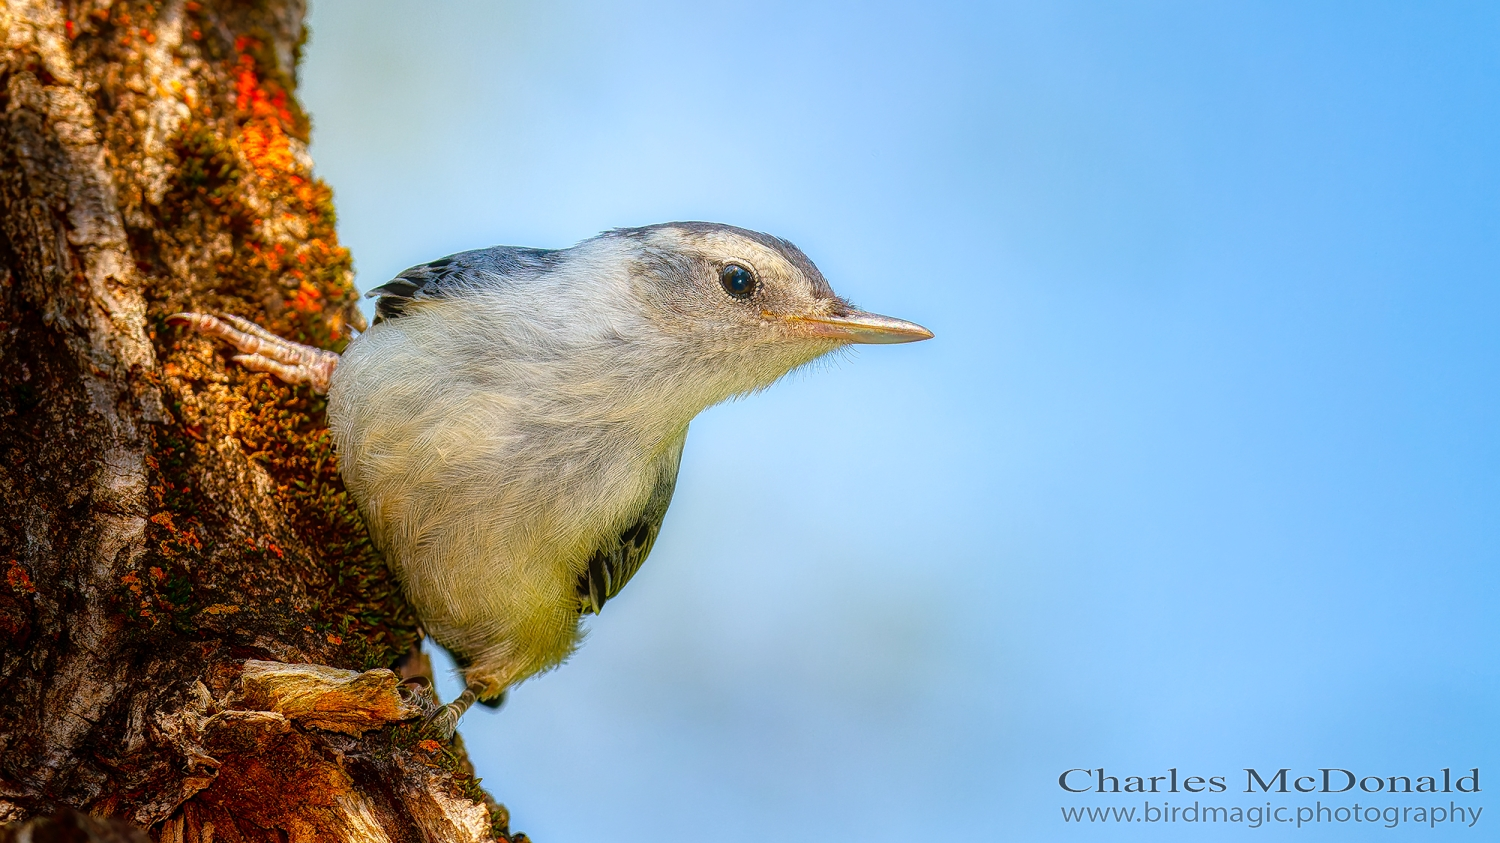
284	242
18	580
263	136
309	299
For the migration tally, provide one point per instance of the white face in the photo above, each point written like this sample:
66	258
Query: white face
727	283
731	310
744	292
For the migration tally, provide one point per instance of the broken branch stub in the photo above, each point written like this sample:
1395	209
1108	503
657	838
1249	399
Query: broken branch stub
322	697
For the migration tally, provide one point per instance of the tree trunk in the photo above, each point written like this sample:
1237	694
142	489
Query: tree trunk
195	633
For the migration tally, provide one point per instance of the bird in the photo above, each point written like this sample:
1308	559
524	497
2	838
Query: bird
512	422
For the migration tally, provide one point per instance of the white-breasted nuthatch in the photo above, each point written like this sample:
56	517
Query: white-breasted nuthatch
512	422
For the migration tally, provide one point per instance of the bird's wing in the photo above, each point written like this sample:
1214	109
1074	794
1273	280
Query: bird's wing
449	276
616	562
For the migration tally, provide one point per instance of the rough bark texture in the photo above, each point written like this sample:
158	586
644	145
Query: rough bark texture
177	553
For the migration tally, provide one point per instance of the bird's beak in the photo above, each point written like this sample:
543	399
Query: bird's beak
858	326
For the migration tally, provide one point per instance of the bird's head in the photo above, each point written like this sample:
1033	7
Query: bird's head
746	302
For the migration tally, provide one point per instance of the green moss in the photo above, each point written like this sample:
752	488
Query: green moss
206	163
362	602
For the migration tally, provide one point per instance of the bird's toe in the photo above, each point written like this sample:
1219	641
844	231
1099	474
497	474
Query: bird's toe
442	723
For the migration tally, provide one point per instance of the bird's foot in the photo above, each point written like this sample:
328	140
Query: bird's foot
263	351
417	691
444	722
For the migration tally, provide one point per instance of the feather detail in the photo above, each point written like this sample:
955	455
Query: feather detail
446	276
612	566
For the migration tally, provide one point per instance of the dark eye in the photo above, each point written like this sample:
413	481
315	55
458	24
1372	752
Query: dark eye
737	280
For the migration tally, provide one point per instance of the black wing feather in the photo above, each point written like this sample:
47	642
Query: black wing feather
612	566
444	277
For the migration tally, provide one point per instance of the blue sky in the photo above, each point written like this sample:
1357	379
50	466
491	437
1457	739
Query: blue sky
1199	472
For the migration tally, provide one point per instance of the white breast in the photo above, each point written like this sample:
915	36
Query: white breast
490	454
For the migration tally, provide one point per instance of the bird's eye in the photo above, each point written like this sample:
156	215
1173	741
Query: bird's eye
737	280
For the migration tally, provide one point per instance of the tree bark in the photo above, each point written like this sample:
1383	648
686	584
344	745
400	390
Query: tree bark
195	633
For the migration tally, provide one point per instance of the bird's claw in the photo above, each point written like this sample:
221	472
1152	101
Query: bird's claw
417	692
263	351
442	723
